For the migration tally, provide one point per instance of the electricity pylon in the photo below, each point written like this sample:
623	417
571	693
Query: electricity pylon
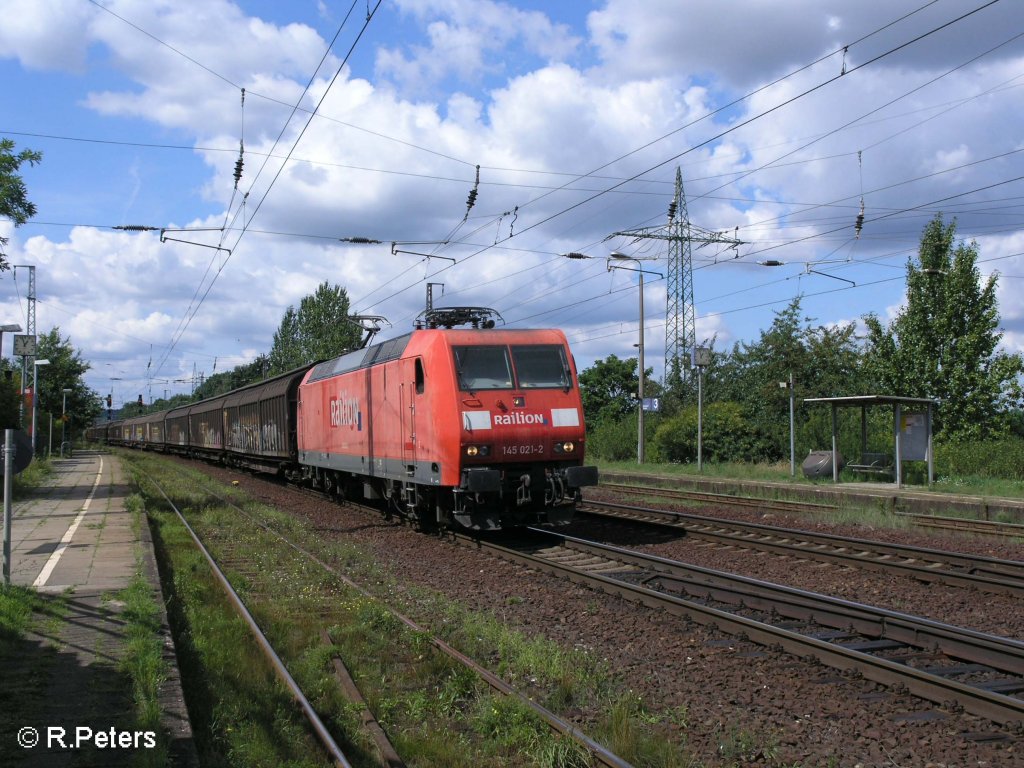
680	325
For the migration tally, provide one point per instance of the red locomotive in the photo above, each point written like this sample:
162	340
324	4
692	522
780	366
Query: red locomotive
483	428
476	428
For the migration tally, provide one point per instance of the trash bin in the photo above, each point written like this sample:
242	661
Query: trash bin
818	464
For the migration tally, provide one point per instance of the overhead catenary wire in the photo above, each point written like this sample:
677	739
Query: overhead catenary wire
277	175
250	229
196	302
891	213
717	136
704	195
271	99
878	109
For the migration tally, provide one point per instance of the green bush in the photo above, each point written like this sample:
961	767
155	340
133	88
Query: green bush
613	440
1002	459
728	435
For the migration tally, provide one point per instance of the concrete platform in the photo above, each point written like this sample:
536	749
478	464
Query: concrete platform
74	537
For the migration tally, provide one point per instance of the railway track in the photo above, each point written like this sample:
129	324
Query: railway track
928	565
966	525
242	565
947	665
937	522
320	730
772	505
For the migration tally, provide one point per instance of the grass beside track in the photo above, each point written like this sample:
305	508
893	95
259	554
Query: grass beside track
241	715
435	711
143	662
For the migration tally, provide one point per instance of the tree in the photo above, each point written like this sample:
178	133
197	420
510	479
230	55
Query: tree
14	202
239	376
752	372
10	397
824	362
286	353
319	330
944	341
609	388
65	371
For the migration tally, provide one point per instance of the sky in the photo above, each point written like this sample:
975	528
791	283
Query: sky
568	120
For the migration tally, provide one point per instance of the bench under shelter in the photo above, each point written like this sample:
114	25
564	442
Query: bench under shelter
912	434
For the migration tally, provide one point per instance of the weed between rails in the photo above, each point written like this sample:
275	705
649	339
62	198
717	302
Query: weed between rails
436	712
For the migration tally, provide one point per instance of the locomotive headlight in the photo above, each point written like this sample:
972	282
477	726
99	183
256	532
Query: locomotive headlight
566	447
472	450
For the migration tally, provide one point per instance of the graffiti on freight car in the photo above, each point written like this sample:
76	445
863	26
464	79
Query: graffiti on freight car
255	438
209	435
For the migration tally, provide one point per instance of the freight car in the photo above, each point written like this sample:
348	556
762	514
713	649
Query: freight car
252	427
475	428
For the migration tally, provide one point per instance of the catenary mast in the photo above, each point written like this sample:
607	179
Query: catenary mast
680	323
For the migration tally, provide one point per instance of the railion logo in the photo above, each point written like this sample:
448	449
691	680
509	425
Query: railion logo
519	418
345	413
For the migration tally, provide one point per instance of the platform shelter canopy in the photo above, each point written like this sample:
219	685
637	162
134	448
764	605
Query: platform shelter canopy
912	430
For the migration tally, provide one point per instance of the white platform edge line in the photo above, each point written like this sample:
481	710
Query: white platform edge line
55	556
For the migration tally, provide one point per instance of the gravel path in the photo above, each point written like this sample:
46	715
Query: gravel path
799	712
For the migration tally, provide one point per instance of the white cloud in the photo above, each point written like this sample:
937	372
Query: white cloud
470	40
441	86
46	34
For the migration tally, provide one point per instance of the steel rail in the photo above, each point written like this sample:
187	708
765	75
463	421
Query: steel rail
968	644
965	525
599	752
777	505
315	722
932	687
988	574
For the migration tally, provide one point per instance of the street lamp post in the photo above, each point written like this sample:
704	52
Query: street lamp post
64	421
640	345
9	328
615	256
35	399
792	441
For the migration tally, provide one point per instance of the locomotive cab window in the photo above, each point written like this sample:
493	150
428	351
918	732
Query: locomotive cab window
483	367
541	367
